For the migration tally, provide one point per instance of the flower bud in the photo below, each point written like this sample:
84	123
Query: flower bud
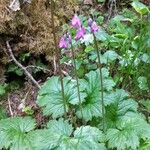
80	33
94	27
63	43
75	22
90	21
69	38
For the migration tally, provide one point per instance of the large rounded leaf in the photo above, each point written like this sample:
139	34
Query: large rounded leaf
50	96
14	133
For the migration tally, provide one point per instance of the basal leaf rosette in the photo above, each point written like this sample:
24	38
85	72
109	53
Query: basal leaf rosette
129	132
126	126
50	96
59	135
91	84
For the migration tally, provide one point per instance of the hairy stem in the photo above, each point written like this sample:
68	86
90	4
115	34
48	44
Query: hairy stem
101	82
77	80
57	52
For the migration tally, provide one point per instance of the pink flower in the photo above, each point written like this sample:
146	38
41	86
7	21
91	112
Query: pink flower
63	43
69	38
80	33
90	21
75	22
94	27
65	40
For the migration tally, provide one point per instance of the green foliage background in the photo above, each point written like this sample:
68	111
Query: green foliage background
125	57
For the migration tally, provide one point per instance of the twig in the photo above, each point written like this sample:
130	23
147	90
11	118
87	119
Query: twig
23	101
38	67
10	109
55	64
21	66
65	73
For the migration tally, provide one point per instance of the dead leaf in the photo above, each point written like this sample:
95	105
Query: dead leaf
88	2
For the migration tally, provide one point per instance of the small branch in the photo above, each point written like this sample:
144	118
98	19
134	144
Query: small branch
65	73
23	101
38	67
10	109
21	66
55	64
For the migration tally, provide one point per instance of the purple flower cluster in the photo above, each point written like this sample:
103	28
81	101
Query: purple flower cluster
66	39
63	43
80	33
76	23
93	26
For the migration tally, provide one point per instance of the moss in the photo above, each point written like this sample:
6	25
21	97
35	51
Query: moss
33	24
30	28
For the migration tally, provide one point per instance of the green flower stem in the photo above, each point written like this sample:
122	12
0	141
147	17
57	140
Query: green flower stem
101	81
58	58
77	80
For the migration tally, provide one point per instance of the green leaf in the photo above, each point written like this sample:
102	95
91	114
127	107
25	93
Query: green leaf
79	144
60	127
146	104
2	89
92	105
13	133
89	49
89	137
91	109
100	20
143	85
115	97
145	58
127	105
57	132
130	129
85	138
44	139
3	114
101	35
93	57
117	106
122	139
50	96
140	7
58	138
130	119
89	133
145	145
15	69
110	55
101	0
108	84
